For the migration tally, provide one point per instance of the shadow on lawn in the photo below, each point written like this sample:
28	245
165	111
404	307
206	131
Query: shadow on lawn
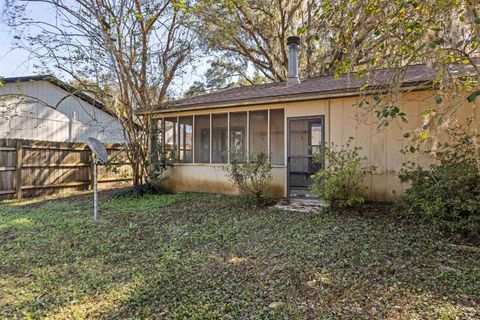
204	256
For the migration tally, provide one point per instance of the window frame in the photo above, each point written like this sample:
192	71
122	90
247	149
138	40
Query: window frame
210	115
214	128
284	137
175	136
209	138
244	119
181	145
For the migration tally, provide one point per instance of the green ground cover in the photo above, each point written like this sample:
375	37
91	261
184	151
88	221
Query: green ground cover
204	257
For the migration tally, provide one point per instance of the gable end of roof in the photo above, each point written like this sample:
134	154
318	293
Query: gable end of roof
59	83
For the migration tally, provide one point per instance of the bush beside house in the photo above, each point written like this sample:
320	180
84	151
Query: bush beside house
340	182
448	192
253	178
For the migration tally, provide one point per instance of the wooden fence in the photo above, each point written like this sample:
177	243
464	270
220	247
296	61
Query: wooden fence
35	168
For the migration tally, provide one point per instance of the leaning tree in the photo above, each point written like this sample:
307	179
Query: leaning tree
343	36
127	54
365	36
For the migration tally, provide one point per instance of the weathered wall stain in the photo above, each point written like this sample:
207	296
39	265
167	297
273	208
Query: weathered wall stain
343	119
212	179
220	187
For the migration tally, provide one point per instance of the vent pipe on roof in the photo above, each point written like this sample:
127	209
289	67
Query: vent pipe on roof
293	42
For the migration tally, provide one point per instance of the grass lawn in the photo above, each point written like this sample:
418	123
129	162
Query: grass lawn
193	256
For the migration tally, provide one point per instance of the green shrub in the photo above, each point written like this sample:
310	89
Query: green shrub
157	165
156	183
253	178
141	190
447	193
340	182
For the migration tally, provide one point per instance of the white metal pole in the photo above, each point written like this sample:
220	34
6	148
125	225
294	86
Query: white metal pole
193	139
210	139
228	137
269	124
95	195
247	156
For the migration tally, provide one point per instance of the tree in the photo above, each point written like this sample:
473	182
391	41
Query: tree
196	88
222	75
125	53
248	32
340	36
368	35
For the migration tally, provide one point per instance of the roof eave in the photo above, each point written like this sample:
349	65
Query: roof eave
59	83
411	86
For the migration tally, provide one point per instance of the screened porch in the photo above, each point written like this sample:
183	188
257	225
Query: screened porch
219	138
222	137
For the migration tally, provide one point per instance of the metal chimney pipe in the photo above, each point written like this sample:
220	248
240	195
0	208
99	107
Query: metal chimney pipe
293	42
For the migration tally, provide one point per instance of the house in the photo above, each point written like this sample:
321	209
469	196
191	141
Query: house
45	108
290	121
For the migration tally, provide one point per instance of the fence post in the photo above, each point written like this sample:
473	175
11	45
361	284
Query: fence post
18	171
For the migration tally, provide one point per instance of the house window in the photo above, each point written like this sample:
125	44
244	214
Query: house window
219	138
185	139
170	137
202	139
277	142
258	132
238	135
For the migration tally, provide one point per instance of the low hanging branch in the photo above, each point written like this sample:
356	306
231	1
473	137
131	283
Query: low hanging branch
126	54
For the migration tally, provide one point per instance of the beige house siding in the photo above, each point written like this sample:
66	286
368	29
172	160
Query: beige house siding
343	119
211	178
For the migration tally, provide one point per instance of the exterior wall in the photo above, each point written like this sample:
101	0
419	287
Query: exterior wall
74	120
343	119
211	178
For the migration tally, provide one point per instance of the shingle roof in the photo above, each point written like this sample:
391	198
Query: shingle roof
346	83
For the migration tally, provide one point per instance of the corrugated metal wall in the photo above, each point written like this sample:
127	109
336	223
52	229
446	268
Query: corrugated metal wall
73	120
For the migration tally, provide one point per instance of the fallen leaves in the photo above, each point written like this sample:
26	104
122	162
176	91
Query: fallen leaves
197	256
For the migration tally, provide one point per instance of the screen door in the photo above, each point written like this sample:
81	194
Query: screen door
305	138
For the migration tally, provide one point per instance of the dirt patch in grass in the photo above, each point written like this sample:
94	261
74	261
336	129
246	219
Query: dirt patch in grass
205	256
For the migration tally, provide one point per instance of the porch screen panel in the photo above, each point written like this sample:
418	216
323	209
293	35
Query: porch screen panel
185	139
259	132
157	134
298	137
238	136
219	138
171	137
277	135
202	139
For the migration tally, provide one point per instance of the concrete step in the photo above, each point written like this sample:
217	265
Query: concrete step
301	205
